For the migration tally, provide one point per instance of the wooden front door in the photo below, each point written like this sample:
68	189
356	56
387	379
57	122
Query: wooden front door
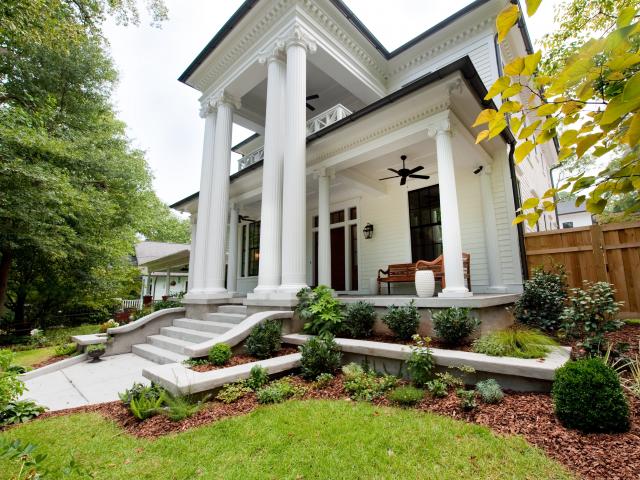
337	259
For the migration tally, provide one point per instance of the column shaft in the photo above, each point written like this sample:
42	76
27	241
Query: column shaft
232	259
324	233
192	250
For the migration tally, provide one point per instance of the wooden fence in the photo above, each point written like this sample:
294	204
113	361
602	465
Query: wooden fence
609	253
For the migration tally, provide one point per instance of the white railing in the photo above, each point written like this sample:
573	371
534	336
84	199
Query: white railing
131	304
317	123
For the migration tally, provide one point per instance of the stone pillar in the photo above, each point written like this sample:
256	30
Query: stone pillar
294	211
232	259
192	249
451	235
270	263
324	232
490	232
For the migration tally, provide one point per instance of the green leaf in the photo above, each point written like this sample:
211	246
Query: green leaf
618	108
632	88
532	6
583	183
625	17
498	87
506	19
596	207
523	150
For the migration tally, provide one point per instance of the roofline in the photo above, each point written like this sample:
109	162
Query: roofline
246	7
177	204
245	141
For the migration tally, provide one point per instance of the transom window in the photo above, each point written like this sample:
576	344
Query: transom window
425	223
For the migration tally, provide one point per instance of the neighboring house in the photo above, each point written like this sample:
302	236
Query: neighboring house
334	112
164	268
570	216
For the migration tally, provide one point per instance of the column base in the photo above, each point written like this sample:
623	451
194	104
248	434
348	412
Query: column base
455	293
204	297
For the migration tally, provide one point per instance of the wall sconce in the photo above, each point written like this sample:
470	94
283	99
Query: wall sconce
368	231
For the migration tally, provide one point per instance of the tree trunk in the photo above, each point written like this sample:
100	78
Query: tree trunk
20	322
5	267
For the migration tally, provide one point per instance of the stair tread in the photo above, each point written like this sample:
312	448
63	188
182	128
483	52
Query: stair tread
224	314
160	352
208	322
192	331
175	341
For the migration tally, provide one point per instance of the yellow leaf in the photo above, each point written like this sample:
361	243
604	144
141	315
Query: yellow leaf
571	107
530	203
528	131
618	108
522	151
547	109
485	116
514	89
549	206
531	63
625	17
550	123
564	153
545	136
514	67
632	136
518	219
497	125
498	87
568	138
632	88
532	218
532	6
550	193
482	135
510	107
516	123
615	76
586	142
507	18
622	62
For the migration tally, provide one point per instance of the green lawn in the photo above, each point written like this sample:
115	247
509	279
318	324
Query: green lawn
59	335
297	439
28	358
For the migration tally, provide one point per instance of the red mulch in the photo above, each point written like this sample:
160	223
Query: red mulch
240	359
629	334
49	361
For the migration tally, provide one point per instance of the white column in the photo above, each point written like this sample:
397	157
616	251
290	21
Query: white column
324	233
294	210
192	249
270	266
490	231
232	259
198	263
167	283
451	236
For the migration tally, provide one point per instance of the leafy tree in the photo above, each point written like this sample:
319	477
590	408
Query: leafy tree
584	91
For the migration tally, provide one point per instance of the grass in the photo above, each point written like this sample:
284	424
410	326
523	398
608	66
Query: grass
297	439
515	342
28	358
632	321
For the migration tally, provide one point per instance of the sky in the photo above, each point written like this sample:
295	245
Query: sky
162	113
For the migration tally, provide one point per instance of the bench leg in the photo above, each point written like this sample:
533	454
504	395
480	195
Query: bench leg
389	288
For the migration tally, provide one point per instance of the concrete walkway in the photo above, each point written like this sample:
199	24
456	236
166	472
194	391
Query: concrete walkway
87	383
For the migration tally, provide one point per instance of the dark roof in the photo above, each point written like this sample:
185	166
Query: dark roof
355	21
245	141
464	65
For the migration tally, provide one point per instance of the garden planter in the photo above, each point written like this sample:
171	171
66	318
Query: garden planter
95	355
425	283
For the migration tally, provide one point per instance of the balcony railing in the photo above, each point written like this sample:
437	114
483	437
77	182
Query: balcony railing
315	124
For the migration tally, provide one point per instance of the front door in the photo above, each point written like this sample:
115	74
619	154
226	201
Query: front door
337	259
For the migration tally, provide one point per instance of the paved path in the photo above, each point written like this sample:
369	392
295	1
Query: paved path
87	383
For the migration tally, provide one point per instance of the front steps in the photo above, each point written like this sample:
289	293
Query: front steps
169	346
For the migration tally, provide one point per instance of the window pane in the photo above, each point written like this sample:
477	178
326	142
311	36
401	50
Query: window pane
337	217
424	219
254	248
353	213
315	221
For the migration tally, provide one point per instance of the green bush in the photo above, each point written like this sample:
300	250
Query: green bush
542	300
437	387
161	305
220	354
139	390
365	385
323	380
402	321
420	363
279	391
320	311
587	396
265	339
19	411
11	387
258	377
359	319
490	391
179	407
65	349
454	324
467	399
406	395
145	407
319	355
233	392
96	347
515	342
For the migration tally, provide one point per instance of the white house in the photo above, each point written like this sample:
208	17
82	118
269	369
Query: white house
164	268
570	216
334	113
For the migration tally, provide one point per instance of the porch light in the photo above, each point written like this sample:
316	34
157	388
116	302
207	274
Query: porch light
368	231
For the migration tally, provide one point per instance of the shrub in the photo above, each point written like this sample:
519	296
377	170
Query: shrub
11	387
37	338
258	377
366	385
161	305
403	321
96	347
220	354
111	323
590	314
543	299
265	339
420	363
587	396
359	320
437	387
233	392
177	407
138	390
65	349
323	380
278	391
514	342
406	395
319	355
467	399
145	407
490	391
320	311
19	412
454	324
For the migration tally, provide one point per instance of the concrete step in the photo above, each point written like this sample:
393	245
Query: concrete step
168	343
157	354
188	334
225	317
202	325
241	309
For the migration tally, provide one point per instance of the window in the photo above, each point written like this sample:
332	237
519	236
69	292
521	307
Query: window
243	248
425	223
567	224
353	213
254	248
336	217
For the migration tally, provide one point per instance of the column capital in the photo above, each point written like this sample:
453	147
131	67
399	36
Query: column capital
440	127
274	53
298	36
224	98
206	109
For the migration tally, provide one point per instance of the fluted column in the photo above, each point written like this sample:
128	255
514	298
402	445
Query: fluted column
324	233
490	232
451	234
294	211
192	249
270	266
232	258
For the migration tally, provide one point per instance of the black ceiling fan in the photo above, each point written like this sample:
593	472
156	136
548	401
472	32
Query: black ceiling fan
245	218
312	97
404	172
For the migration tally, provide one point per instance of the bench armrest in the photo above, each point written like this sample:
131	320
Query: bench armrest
383	272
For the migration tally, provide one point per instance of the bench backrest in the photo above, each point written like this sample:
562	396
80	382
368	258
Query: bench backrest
402	270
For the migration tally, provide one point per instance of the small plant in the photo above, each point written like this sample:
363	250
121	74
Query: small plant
437	388
232	392
11	387
323	380
195	362
321	313
420	363
450	380
258	377
543	299
65	350
454	325
111	323
139	390
366	385
467	399
628	369
220	354
319	355
516	342
359	319
490	391
19	411
38	338
279	391
177	407
402	321
265	339
96	347
161	305
587	396
406	395
145	407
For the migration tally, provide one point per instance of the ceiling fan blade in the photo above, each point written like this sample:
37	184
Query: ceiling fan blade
403	181
313	97
394	171
310	107
387	178
414	170
425	177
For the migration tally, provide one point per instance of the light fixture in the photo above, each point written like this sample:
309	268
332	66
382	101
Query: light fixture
368	231
478	169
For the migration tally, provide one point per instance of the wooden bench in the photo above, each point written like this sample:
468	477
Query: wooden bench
406	272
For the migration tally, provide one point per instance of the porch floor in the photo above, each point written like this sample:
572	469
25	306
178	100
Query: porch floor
478	300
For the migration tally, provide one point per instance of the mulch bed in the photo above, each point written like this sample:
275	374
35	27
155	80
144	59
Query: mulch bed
49	361
240	359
